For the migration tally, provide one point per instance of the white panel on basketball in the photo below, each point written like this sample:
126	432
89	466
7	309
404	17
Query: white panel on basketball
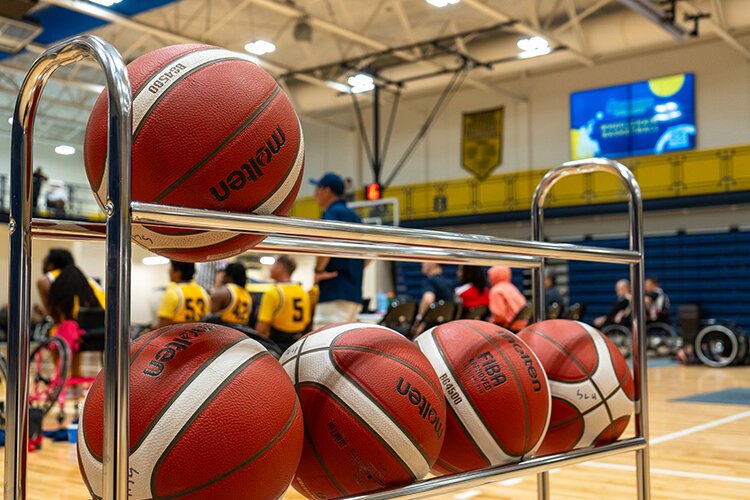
583	395
282	191
193	396
465	412
594	424
159	241
318	368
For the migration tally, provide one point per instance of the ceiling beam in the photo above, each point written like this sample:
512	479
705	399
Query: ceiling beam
532	13
114	18
591	9
524	28
570	8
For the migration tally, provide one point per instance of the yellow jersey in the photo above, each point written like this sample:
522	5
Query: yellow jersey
238	310
286	307
184	302
98	290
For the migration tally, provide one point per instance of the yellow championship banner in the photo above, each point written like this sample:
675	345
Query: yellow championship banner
482	143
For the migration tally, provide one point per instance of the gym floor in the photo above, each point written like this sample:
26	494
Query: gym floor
699	450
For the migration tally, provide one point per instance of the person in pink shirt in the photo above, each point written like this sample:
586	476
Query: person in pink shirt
506	301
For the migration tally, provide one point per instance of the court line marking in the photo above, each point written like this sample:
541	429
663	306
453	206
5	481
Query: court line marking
669	472
698	428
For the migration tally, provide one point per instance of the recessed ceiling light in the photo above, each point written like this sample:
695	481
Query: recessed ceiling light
10	121
442	3
267	260
65	150
260	47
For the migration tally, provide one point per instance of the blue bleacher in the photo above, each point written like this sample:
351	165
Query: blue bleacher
711	269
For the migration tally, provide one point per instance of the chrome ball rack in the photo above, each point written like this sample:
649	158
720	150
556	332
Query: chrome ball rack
286	234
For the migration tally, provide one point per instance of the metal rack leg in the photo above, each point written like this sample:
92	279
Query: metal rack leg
542	485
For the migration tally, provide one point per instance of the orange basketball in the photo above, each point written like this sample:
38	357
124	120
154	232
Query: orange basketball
592	388
212	414
210	130
374	410
496	391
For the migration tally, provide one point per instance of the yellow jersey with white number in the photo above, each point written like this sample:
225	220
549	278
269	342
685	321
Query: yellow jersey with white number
184	302
286	306
238	310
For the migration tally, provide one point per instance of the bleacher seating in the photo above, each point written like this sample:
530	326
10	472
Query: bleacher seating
711	269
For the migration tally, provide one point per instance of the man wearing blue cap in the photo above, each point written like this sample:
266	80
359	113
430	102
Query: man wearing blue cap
339	280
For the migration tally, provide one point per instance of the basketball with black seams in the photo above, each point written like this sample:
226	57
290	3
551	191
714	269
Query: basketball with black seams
591	384
373	407
212	415
211	130
496	392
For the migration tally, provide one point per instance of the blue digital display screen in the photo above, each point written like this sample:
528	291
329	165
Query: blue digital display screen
642	118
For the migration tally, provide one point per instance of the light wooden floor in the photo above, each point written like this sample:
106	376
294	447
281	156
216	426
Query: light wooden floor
701	463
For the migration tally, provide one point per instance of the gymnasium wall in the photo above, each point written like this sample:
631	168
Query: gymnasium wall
537	131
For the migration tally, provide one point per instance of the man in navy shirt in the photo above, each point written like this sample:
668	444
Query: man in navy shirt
339	280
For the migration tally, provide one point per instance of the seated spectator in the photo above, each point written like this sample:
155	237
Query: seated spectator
473	291
435	287
620	312
506	301
552	294
657	302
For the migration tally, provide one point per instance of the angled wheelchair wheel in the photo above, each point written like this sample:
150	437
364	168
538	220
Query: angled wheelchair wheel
718	346
621	337
48	370
663	339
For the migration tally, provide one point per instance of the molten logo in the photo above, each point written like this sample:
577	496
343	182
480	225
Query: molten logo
252	170
424	407
169	351
527	361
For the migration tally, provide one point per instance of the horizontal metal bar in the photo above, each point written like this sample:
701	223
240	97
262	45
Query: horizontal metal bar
465	480
43	228
210	220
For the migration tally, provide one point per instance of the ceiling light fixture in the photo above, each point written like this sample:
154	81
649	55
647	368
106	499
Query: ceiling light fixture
156	260
267	260
10	120
533	47
361	82
105	3
657	16
65	150
260	47
442	3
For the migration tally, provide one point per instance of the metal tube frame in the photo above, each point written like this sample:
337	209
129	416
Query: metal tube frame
117	318
635	237
289	234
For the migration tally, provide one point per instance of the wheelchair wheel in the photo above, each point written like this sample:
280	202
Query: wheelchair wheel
621	337
663	339
48	370
718	346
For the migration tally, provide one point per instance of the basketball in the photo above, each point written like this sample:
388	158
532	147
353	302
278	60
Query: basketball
212	413
496	392
374	410
592	387
211	130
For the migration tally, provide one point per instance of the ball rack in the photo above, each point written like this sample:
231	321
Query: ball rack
286	234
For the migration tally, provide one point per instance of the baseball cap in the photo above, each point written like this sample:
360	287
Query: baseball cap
332	181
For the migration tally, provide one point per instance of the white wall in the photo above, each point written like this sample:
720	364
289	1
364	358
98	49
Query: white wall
722	80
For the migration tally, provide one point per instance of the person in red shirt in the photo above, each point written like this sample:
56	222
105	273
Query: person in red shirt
506	301
473	291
